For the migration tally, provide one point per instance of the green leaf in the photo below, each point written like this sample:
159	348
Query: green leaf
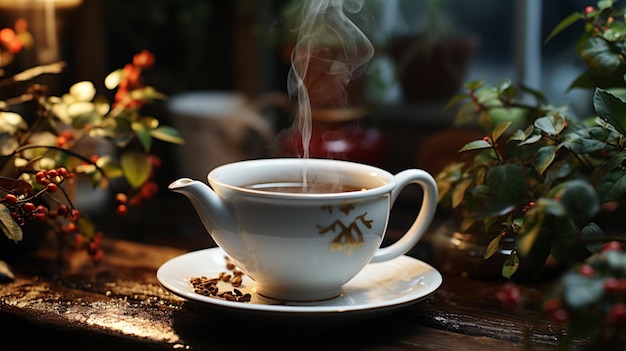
519	135
584	146
456	99
611	109
551	207
113	79
493	246
147	93
544	158
546	124
592	234
616	261
85	226
11	229
568	21
495	209
474	84
505	85
580	291
529	231
612	186
510	266
167	134
475	145
145	138
499	130
559	122
531	140
584	81
110	168
83	91
579	198
11	122
136	166
459	192
506	182
601	59
606	4
566	246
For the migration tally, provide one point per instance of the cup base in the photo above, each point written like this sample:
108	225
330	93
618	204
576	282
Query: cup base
283	296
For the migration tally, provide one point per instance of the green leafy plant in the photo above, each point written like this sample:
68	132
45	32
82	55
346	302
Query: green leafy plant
553	183
541	175
45	149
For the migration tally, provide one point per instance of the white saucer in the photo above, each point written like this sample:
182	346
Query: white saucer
379	289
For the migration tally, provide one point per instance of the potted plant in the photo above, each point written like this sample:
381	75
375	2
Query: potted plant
545	185
42	155
431	56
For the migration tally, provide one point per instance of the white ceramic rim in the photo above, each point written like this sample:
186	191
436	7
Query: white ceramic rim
232	170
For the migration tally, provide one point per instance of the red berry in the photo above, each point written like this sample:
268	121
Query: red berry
135	200
7	35
71	226
97	256
509	294
97	238
39	217
552	305
63	210
144	59
586	271
51	187
149	189
612	246
61	141
29	207
155	161
21	25
559	315
611	284
131	74
589	9
121	198
62	172
10	199
64	229
74	214
41	177
121	209
52	173
617	315
92	248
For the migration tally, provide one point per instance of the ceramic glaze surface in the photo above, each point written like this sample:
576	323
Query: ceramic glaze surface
305	246
378	289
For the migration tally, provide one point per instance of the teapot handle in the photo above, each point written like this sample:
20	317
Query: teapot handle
427	211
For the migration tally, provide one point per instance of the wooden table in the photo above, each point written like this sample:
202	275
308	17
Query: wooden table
120	305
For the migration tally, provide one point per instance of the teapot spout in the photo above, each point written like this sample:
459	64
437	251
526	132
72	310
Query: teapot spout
215	216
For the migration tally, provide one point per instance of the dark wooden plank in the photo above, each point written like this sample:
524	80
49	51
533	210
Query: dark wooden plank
121	304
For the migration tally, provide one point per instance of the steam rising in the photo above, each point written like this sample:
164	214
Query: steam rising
330	54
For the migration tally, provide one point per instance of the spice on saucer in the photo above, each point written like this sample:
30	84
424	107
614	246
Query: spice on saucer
209	286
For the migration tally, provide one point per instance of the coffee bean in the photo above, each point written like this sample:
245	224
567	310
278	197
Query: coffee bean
208	286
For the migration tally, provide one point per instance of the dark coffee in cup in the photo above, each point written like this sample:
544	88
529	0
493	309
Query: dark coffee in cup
301	188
